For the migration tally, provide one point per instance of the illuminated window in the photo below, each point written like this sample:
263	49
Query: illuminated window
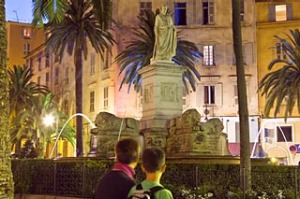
180	14
208	12
280	11
209	94
208	55
145	6
27	33
92	101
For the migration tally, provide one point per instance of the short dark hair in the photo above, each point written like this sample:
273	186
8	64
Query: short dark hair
127	150
153	159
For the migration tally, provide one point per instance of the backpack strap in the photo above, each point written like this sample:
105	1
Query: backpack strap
153	190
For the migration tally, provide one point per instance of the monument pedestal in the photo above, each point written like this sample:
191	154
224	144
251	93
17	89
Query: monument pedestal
162	100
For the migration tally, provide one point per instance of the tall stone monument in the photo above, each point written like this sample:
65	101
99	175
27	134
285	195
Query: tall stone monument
162	83
162	100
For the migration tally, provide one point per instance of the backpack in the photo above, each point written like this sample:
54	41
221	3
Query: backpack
141	193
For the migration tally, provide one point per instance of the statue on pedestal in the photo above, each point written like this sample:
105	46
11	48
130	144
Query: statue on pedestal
165	36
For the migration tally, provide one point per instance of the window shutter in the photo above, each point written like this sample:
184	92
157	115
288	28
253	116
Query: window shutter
248	53
229	54
200	47
218	54
219	94
199	96
211	17
272	14
289	11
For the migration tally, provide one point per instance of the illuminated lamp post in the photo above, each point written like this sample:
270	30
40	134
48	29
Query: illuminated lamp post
49	120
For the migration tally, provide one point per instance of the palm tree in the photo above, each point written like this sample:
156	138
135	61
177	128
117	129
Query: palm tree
283	84
245	163
78	27
140	50
30	125
6	179
22	89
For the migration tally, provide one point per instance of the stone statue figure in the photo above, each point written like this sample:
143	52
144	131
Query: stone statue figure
165	36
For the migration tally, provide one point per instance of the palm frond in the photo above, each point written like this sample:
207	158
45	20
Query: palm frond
139	51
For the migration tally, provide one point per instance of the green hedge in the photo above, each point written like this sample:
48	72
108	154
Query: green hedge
78	178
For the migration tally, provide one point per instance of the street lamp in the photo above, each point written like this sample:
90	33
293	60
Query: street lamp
49	120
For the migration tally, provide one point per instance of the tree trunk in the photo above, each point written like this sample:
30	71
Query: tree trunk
245	165
78	94
6	178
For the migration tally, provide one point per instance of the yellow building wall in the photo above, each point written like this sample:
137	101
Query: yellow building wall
16	41
266	42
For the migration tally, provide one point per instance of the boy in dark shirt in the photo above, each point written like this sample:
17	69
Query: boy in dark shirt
116	183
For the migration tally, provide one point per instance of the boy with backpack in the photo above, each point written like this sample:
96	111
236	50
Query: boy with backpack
153	165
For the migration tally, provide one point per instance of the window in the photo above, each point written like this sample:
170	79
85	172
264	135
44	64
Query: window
47	61
208	12
209	94
92	64
242	10
247	54
56	76
26	48
269	135
180	14
39	80
67	75
235	95
66	106
145	6
284	132
105	97
282	12
208	55
56	58
280	53
27	33
47	79
107	59
92	101
29	63
40	61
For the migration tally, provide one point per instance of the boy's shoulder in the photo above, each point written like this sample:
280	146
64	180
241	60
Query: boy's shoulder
152	189
142	193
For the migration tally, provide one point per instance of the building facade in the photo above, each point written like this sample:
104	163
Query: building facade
279	138
22	38
207	23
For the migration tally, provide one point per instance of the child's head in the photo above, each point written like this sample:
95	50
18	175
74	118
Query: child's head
153	160
127	151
